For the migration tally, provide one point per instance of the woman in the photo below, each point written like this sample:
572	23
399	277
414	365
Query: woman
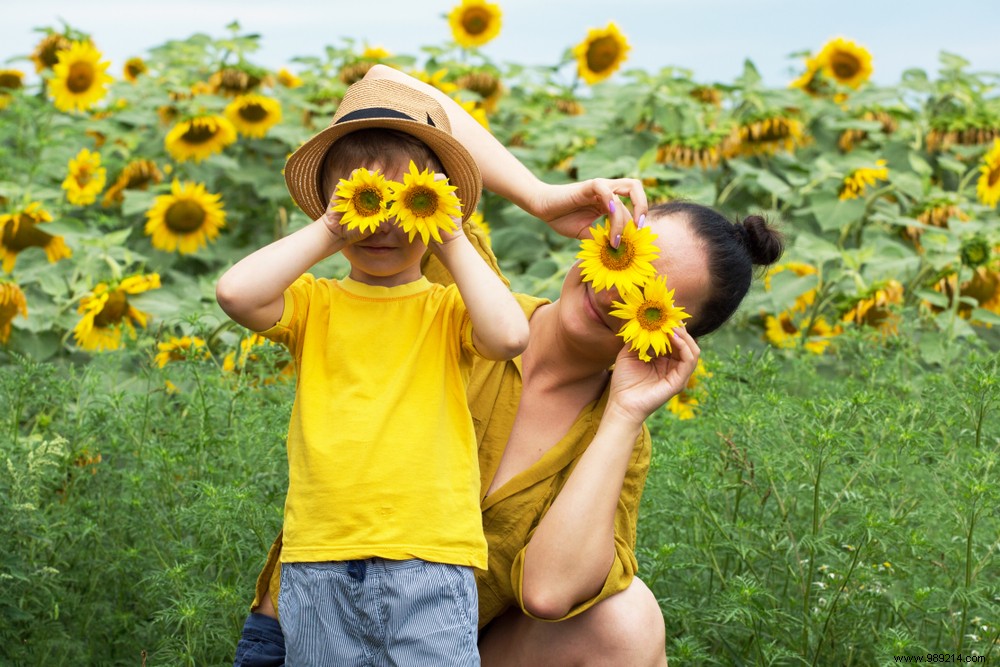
563	448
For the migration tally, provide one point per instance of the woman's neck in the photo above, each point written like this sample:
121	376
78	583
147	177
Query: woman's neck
552	363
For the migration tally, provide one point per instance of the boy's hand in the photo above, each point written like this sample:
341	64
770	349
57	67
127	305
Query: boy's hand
339	233
446	236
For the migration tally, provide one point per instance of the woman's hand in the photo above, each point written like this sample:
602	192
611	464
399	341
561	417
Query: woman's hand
571	209
639	388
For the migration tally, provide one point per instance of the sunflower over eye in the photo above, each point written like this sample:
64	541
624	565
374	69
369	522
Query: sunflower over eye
362	200
651	317
424	205
626	267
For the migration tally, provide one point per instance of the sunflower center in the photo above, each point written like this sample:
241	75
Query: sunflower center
198	133
618	259
787	326
114	310
28	235
844	66
81	77
653	315
994	176
253	112
422	201
8	81
602	54
475	21
367	201
184	216
83	176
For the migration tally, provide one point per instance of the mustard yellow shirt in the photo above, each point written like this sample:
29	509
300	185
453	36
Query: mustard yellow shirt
512	512
381	449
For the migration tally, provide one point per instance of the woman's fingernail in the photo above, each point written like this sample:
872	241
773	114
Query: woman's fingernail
611	206
618	239
642	220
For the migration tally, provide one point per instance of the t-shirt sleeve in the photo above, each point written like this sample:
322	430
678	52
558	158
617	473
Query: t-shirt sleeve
625	566
288	330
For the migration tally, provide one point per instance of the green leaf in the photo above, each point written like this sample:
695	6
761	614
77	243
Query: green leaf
137	202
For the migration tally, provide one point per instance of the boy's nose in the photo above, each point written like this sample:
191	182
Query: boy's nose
606	296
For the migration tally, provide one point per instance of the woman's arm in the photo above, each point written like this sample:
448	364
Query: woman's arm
571	551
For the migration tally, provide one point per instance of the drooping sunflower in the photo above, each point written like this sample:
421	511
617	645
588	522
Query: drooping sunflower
233	81
423	205
983	287
852	137
766	136
80	78
253	115
988	185
46	53
363	200
12	304
186	219
474	22
651	317
19	231
180	349
10	79
875	309
199	137
845	62
783	332
107	313
484	83
85	179
137	175
857	181
134	68
685	404
809	81
601	53
626	267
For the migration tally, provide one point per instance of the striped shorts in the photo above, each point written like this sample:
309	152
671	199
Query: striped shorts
379	613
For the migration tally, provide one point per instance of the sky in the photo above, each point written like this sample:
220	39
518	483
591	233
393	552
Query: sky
712	38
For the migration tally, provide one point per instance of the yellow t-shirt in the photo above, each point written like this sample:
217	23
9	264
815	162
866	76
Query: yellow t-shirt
381	449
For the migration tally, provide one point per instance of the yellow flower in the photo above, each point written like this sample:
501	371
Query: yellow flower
476	219
651	317
107	313
601	53
231	81
80	78
626	267
855	183
233	363
46	53
685	404
766	136
12	304
474	22
19	231
474	109
137	175
362	200
983	288
845	62
186	219
199	137
253	115
10	79
180	349
375	53
988	186
86	178
807	81
783	332
288	79
437	79
134	68
423	205
875	309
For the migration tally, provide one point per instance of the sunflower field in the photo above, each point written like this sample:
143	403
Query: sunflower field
824	493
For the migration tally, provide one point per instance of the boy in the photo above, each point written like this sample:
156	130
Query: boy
382	521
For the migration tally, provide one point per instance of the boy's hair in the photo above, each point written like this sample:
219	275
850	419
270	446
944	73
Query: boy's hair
385	149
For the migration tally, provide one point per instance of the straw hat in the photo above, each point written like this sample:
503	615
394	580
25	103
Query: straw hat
379	103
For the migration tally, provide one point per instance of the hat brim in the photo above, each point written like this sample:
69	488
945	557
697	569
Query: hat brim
303	170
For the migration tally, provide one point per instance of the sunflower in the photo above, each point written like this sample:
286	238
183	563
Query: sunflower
875	309
800	269
474	22
107	313
137	175
437	79
233	363
253	115
809	81
983	287
485	84
46	53
685	404
10	79
288	79
783	332
423	205
353	72
626	267
651	317
186	219
362	200
80	79
766	136
12	304
199	137
476	220
134	68
19	231
703	151
475	109
601	53
180	349
233	81
851	137
845	62
857	181
988	186
85	179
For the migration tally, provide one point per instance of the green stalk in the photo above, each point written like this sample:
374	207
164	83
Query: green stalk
968	577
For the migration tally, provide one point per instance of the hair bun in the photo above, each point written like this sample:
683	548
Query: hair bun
764	243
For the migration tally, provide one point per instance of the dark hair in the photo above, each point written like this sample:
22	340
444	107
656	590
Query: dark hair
733	250
373	146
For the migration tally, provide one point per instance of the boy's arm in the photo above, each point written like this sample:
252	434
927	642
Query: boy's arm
499	327
251	291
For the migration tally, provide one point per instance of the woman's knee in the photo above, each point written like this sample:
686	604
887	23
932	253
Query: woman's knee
631	621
